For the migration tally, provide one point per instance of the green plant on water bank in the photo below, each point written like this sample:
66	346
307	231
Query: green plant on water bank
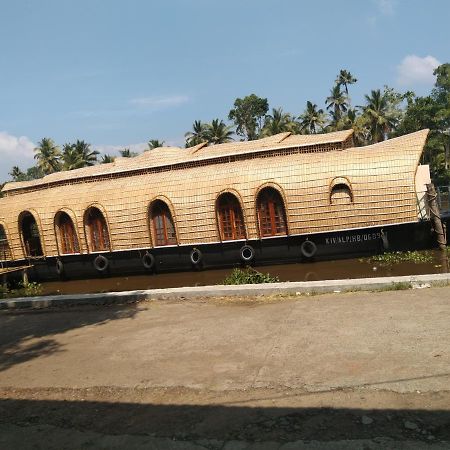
249	276
24	289
422	257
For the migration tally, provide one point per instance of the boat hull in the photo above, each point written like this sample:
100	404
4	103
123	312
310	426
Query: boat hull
276	250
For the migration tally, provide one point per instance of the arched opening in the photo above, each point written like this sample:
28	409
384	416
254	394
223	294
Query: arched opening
271	213
230	217
341	194
5	250
66	235
96	230
30	235
163	225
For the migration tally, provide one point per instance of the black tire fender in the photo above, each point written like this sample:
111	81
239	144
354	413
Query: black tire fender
59	267
196	256
148	261
308	248
247	253
101	263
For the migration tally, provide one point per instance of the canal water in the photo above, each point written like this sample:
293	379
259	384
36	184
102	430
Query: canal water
323	270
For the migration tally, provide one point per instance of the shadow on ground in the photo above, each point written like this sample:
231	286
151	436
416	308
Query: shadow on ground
20	329
227	423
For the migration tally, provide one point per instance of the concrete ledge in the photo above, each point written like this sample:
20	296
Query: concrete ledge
298	287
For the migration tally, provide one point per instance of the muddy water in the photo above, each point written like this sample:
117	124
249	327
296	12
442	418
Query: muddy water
324	270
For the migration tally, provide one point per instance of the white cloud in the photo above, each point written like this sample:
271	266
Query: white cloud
386	7
15	147
160	102
416	70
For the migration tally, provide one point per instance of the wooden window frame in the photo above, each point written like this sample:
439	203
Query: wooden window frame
160	209
98	230
341	185
67	234
235	221
273	215
27	238
5	248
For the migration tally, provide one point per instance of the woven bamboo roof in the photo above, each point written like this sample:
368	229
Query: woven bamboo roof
382	179
166	156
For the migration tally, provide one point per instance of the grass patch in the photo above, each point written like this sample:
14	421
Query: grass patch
390	258
249	276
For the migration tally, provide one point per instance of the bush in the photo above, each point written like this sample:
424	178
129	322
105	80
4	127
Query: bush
28	289
249	276
399	257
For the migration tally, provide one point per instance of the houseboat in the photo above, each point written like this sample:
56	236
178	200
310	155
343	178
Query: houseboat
284	198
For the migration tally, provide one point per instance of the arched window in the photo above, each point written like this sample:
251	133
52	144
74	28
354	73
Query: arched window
97	230
30	235
340	194
163	226
271	213
5	250
67	236
230	217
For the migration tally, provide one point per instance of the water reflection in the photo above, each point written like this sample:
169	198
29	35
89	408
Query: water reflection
323	270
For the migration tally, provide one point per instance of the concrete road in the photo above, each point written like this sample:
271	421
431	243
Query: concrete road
353	353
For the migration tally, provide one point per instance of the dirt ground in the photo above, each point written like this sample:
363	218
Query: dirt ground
357	370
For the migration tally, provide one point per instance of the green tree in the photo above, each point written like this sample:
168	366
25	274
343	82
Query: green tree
337	103
48	156
17	175
71	158
106	159
312	120
88	156
127	153
154	143
345	78
248	115
217	132
278	122
197	135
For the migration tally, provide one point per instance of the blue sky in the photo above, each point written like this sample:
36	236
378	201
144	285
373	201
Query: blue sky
118	73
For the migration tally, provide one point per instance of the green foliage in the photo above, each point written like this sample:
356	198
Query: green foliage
417	257
48	156
312	120
249	276
248	115
23	289
155	143
217	132
106	159
279	122
127	153
197	135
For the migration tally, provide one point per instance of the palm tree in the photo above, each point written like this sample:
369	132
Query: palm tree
155	143
71	158
127	153
359	124
378	114
337	102
312	119
278	122
16	174
88	156
345	78
48	156
106	159
197	135
217	132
